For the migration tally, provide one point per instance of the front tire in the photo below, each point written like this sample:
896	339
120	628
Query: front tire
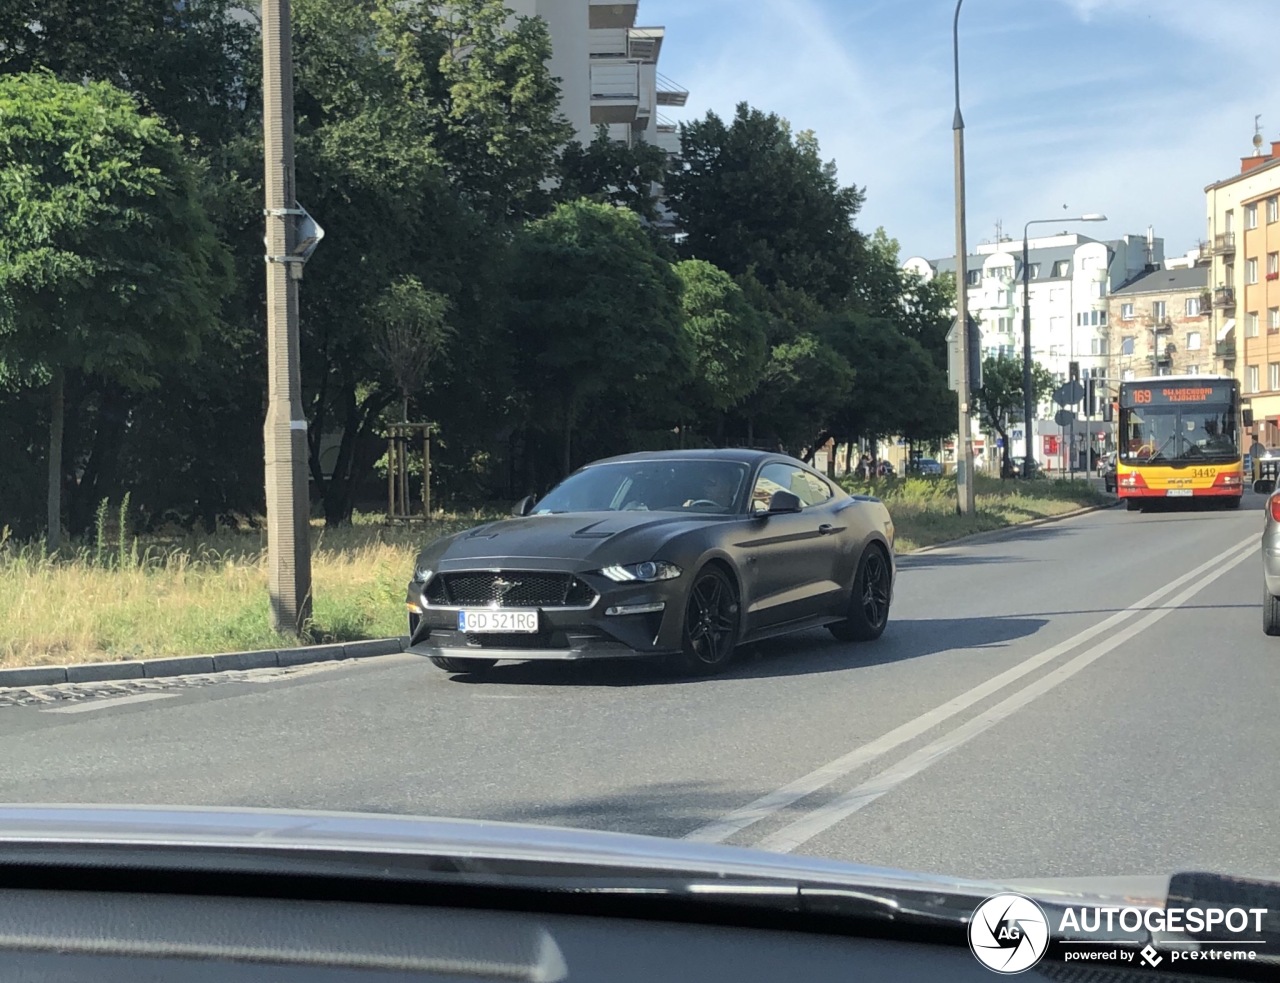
869	600
711	619
1232	503
1270	612
462	665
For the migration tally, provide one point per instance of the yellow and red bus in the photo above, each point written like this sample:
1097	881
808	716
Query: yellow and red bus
1179	438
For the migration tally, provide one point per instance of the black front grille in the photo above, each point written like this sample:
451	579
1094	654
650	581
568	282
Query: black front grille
510	589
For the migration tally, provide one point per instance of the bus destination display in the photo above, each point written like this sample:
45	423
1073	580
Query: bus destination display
1155	394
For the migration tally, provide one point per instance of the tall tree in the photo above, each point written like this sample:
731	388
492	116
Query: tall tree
594	310
109	266
610	171
1000	398
750	194
482	76
728	338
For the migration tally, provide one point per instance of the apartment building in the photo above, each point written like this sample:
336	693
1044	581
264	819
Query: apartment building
607	63
1160	324
1244	239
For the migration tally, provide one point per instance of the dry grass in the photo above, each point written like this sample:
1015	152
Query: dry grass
924	509
118	598
179	596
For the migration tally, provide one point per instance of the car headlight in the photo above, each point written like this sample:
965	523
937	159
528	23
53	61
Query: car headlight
422	574
645	573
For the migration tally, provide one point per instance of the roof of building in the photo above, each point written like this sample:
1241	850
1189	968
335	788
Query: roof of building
1194	279
1046	257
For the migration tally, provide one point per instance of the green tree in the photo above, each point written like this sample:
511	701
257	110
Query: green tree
1000	398
494	107
609	171
594	310
728	339
750	194
109	266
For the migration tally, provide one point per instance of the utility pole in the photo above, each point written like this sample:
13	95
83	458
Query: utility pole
965	502
285	432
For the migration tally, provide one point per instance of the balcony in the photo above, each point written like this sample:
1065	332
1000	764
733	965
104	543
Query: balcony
608	43
615	92
666	134
671	93
1224	298
1225	350
1223	244
644	44
610	13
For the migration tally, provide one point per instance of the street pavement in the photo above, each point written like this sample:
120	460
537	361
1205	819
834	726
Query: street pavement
1088	697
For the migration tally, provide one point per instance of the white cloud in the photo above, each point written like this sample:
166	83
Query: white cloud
1120	106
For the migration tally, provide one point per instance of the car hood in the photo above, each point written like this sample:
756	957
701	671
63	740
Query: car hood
621	537
380	839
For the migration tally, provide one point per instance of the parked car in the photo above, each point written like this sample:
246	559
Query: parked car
1108	468
886	470
678	554
925	465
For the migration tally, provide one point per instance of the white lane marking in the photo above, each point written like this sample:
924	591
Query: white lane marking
739	819
92	704
810	825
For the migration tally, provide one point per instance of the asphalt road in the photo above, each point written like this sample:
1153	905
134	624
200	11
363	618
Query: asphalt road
1089	697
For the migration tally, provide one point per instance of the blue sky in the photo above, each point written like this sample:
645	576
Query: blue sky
1126	107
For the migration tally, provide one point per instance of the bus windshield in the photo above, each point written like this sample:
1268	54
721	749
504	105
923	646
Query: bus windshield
1179	434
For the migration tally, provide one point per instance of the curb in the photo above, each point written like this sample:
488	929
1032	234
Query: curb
993	535
187	665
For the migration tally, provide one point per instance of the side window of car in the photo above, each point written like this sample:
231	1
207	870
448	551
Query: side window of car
783	477
773	478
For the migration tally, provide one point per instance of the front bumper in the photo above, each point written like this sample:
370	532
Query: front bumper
597	631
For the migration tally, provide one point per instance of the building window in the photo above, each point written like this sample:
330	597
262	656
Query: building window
1126	345
1251	324
1252	381
1126	375
1035	271
1193	307
1097	346
973	277
1273	209
1126	312
1250	271
1102	318
1193	341
1097	289
1002	272
1273	264
1062	268
1055	351
1251	216
1273	319
1273	375
1193	370
1157	310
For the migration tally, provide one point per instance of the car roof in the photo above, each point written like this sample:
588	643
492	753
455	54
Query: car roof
739	455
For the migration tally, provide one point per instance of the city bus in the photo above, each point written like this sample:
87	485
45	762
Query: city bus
1179	437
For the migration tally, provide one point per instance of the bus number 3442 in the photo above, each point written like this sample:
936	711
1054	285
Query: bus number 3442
1203	472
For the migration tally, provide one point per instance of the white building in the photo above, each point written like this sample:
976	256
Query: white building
1071	276
608	70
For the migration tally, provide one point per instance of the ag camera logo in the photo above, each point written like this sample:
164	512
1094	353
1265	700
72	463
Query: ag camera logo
1008	933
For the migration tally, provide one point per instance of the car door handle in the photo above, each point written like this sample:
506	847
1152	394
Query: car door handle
826	529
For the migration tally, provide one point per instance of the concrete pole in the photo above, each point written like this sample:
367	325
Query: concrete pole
288	499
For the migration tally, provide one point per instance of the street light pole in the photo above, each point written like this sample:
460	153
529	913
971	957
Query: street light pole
1028	409
285	431
964	434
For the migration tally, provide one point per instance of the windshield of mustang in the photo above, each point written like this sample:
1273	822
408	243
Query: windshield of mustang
713	487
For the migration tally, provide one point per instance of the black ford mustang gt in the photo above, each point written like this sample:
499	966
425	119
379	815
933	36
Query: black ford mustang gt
680	554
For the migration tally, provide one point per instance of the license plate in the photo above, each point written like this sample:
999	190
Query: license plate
1179	493
497	620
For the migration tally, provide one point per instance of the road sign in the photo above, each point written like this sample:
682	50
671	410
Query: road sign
1064	418
1069	393
975	355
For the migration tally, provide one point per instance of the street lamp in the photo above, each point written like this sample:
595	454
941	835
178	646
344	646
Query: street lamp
1028	398
965	502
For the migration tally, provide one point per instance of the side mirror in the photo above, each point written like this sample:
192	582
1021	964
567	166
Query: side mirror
783	503
1248	417
524	506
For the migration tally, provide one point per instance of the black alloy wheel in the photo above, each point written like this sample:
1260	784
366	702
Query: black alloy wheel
710	623
868	601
